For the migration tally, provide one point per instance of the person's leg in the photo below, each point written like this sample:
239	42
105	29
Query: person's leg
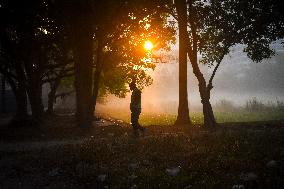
134	123
142	129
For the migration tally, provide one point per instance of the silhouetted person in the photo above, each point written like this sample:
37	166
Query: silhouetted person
135	107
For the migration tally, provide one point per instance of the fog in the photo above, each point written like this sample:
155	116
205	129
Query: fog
237	80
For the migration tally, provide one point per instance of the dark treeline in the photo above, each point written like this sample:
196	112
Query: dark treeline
98	46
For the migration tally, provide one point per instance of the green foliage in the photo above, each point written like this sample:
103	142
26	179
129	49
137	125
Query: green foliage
259	51
124	52
253	23
113	82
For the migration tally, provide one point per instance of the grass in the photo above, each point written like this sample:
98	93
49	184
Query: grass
216	158
147	119
207	160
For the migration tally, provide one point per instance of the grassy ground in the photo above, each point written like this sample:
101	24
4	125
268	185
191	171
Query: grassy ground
197	117
110	157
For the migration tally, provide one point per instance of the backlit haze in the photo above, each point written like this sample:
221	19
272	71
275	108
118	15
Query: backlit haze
237	80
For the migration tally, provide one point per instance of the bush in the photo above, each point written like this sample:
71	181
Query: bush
225	106
254	105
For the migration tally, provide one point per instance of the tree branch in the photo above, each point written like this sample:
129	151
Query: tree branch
55	78
210	86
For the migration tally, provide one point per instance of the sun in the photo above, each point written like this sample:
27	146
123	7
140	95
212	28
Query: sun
148	45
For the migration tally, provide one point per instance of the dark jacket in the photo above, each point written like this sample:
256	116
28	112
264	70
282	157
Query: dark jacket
135	104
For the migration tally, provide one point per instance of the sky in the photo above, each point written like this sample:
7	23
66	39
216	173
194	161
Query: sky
237	80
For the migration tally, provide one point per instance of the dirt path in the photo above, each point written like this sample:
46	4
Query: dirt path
30	146
38	145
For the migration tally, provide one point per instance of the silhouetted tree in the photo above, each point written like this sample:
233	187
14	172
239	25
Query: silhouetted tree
183	111
253	23
22	53
28	40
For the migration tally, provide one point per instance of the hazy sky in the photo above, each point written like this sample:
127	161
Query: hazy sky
238	79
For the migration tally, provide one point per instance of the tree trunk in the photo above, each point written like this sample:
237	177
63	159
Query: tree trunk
209	118
97	74
83	50
20	93
3	94
35	97
183	111
50	102
21	99
52	96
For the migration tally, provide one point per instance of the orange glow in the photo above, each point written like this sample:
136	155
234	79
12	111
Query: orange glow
148	45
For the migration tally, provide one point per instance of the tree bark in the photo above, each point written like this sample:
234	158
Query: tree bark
209	118
183	111
83	47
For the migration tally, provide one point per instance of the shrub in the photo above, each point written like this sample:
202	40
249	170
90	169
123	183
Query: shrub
225	106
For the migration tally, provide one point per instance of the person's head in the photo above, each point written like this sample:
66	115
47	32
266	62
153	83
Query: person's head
132	85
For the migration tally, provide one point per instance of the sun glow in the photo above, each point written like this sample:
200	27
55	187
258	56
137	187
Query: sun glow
148	45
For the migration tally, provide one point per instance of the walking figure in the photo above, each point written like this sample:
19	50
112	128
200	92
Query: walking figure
135	107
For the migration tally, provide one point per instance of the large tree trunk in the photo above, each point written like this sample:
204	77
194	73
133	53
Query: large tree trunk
183	111
21	99
83	50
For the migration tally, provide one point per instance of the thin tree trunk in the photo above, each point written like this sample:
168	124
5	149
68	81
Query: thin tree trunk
52	96
97	74
183	111
35	97
209	118
50	102
21	99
